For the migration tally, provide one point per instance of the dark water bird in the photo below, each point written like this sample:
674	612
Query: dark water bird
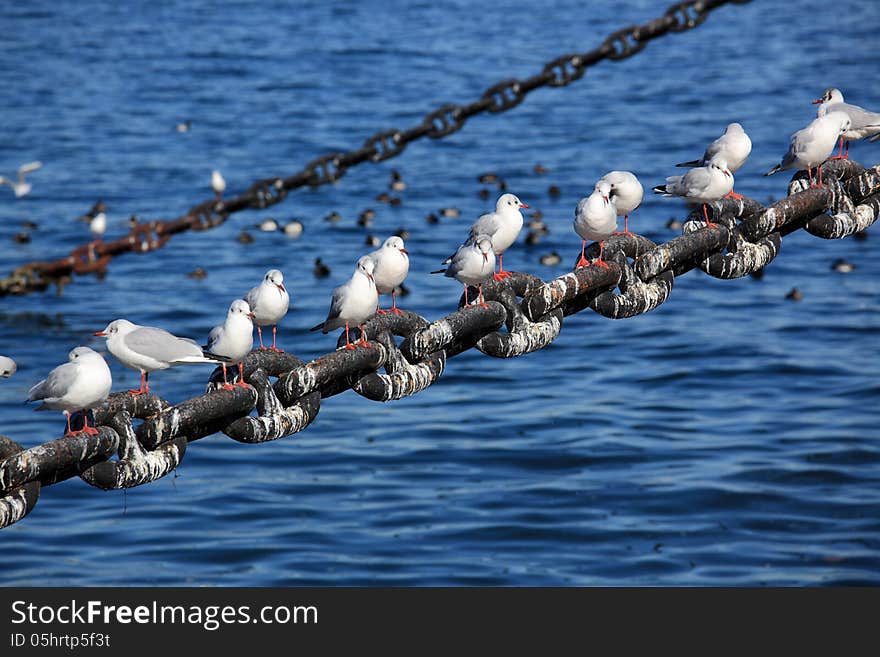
29	225
553	191
245	237
366	218
372	240
133	221
550	259
402	233
537	214
794	295
432	219
333	217
540	169
320	270
533	238
488	178
183	126
538	226
842	266
197	273
384	197
396	183
22	238
484	193
395	201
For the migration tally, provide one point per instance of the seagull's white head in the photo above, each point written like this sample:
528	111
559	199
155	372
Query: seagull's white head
721	165
831	95
484	245
81	352
603	187
395	242
240	307
120	326
509	202
365	266
276	278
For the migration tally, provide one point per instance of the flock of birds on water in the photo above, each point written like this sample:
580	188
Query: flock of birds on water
84	381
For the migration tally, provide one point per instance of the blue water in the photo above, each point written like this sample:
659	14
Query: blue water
729	437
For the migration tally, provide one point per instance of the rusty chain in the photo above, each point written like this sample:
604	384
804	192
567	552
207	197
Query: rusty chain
639	278
93	258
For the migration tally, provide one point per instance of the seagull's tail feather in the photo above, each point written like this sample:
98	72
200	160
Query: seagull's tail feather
874	137
775	169
660	189
439	271
318	327
212	357
194	360
692	163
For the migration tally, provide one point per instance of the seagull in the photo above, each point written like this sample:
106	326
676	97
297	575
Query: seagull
626	193
700	185
7	367
502	227
733	147
21	187
595	218
147	349
98	225
232	340
353	302
218	184
811	146
863	123
79	384
473	262
391	265
269	302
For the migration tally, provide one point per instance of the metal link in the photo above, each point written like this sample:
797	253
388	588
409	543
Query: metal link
383	145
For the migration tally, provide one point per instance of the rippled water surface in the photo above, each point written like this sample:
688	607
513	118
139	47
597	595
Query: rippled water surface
728	437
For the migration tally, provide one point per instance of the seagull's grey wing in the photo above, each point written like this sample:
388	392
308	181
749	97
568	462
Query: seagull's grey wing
56	384
251	296
27	168
859	116
336	301
161	345
695	182
213	336
487	224
714	148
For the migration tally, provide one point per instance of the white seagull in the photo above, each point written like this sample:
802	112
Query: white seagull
147	349
98	225
626	193
269	302
79	384
218	184
232	340
7	367
391	265
353	302
21	187
733	147
473	263
595	218
700	186
502	227
863	123
811	146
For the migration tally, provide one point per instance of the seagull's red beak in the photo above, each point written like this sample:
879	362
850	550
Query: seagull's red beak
100	334
523	205
371	277
817	101
727	173
251	315
485	257
281	287
404	251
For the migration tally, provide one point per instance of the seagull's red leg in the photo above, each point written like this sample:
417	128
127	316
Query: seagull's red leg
465	295
582	261
363	341
846	154
241	382
733	194
260	333
709	224
394	308
91	431
274	337
67	415
226	384
501	275
140	390
348	344
482	303
599	262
